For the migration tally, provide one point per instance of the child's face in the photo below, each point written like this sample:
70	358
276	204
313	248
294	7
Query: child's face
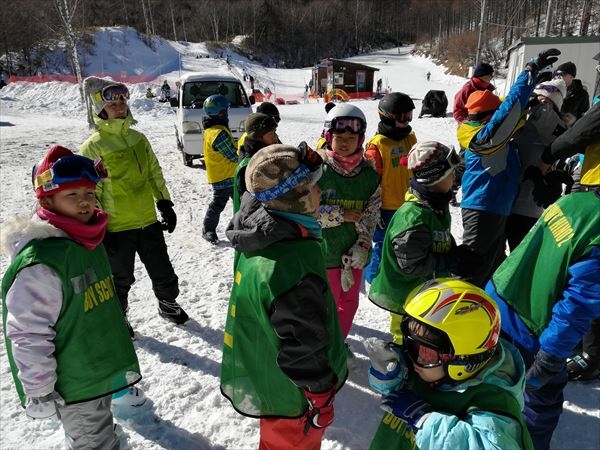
444	185
269	138
77	203
344	144
430	375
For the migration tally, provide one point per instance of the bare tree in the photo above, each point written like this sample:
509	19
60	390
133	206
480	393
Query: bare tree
66	10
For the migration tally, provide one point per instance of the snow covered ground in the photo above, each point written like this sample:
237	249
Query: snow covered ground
180	365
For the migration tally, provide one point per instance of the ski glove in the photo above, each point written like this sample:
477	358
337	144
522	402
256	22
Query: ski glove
346	275
388	369
320	409
169	218
408	407
360	255
543	62
545	366
43	407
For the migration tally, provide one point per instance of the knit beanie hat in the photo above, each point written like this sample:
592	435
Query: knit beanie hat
555	90
71	171
281	177
567	67
269	109
482	70
481	103
431	162
259	124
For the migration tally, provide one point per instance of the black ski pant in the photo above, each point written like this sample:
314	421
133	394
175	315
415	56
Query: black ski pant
485	233
149	243
216	207
517	227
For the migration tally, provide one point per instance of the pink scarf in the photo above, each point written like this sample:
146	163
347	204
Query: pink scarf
345	165
88	234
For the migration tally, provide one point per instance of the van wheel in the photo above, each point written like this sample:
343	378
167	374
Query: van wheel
187	159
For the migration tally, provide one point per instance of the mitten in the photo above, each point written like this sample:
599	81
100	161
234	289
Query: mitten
169	218
320	409
360	255
388	369
43	407
408	407
346	275
543	61
545	366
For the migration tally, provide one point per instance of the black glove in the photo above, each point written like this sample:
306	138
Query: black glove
556	178
169	218
465	261
545	366
542	61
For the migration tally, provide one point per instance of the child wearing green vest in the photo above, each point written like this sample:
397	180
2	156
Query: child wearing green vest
418	244
349	210
283	350
66	338
453	383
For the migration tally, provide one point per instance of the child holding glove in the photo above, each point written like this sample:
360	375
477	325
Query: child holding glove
459	385
349	210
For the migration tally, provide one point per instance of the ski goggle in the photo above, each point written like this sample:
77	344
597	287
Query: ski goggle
72	168
422	355
115	92
343	124
547	87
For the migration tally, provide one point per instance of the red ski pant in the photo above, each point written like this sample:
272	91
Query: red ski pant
288	434
346	302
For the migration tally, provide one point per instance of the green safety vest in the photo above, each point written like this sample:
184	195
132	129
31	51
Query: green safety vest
94	353
250	376
348	192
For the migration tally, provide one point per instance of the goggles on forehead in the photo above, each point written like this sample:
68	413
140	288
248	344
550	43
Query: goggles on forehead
453	158
72	168
343	124
115	92
310	164
547	88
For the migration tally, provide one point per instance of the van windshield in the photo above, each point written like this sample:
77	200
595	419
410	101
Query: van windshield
195	92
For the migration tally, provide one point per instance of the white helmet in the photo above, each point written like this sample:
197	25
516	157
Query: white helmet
345	117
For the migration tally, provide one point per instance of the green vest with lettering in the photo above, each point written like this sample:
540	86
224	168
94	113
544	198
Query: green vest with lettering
94	353
567	231
250	376
393	435
391	285
350	193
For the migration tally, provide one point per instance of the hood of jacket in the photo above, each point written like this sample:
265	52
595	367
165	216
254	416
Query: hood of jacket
15	234
253	227
506	370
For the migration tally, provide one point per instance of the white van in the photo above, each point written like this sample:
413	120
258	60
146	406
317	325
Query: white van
195	88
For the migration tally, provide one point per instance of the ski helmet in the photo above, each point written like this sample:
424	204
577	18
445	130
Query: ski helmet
345	117
216	106
395	106
464	323
269	109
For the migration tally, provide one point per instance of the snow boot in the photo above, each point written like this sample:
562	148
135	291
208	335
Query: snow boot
583	367
130	396
170	310
210	236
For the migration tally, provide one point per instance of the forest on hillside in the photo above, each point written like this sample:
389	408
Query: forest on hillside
296	33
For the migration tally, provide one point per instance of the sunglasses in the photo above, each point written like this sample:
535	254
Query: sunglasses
115	92
72	168
342	124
